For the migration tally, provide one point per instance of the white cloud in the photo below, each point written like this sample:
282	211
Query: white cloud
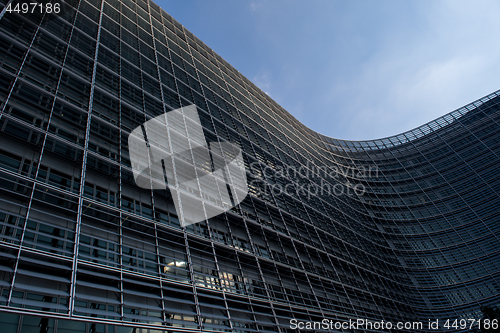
255	6
263	81
412	78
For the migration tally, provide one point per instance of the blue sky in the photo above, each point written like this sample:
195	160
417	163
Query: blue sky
358	69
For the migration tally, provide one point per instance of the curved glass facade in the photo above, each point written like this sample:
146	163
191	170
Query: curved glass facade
402	229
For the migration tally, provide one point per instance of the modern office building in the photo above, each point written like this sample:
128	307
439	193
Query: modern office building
400	229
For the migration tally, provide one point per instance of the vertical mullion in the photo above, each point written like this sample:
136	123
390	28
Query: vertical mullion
180	213
120	184
28	209
5	102
84	167
4	9
153	203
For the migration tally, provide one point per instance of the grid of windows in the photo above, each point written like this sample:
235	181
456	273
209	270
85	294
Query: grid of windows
402	228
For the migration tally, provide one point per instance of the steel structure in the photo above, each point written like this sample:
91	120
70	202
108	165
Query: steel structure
404	228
